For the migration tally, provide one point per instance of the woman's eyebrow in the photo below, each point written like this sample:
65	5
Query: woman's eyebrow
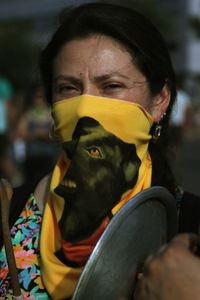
135	81
110	75
66	77
98	78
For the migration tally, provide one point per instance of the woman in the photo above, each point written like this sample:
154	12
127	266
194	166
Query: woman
109	79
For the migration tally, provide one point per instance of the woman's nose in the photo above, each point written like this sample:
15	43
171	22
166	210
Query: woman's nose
91	90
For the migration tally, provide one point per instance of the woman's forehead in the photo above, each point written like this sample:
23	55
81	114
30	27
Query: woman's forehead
101	53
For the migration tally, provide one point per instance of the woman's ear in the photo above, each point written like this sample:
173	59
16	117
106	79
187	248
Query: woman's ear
160	103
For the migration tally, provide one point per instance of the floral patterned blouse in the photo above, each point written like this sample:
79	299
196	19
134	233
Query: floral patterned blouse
25	240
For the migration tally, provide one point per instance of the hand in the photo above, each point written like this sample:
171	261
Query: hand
174	273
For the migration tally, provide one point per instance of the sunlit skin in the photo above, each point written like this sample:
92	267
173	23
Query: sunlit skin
100	66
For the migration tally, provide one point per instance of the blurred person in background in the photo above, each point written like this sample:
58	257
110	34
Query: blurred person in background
181	117
36	122
6	92
16	108
7	165
197	117
33	142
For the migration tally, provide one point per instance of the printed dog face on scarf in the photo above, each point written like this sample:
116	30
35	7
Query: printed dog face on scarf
102	168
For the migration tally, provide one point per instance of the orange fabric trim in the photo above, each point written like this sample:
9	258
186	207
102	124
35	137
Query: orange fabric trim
79	252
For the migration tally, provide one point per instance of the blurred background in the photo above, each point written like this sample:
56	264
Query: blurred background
26	151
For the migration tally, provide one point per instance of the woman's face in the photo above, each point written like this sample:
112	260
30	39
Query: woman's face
100	66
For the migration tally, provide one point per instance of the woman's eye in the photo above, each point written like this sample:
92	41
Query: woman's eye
94	152
113	86
67	90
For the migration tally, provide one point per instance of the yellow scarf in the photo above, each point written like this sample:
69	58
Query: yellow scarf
127	121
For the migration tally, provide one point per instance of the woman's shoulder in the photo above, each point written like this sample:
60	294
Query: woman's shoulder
19	199
21	195
38	187
189	213
41	191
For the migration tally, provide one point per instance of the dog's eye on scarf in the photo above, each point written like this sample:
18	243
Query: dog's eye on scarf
104	163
